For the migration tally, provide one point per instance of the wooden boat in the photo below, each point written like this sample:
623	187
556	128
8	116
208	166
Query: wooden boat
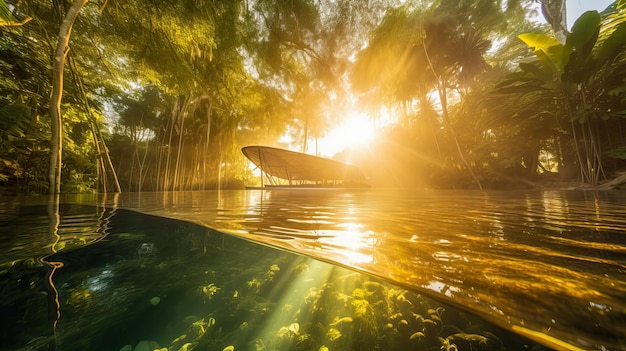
282	168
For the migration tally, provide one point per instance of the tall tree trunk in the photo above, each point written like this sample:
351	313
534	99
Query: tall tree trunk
161	144
206	145
555	13
54	170
219	170
142	166
103	158
443	97
172	125
178	178
306	134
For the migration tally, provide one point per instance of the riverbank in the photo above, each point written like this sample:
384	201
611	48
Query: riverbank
544	182
618	182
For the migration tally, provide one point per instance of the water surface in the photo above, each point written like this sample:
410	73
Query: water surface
550	265
140	282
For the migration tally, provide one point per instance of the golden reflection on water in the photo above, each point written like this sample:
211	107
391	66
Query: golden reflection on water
551	263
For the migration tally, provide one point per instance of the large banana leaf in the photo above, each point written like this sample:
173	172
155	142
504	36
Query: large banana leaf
581	64
547	49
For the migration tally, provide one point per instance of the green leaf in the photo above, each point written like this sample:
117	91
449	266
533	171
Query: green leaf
551	61
618	153
536	72
546	48
519	87
539	41
617	91
613	44
585	32
5	13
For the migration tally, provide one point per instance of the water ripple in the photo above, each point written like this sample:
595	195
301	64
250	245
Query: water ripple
548	264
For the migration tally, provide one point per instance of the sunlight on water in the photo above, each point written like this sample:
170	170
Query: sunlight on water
156	281
550	265
541	261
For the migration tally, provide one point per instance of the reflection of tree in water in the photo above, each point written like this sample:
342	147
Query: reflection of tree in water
54	308
29	271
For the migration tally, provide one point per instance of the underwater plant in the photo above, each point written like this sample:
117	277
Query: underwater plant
288	304
210	290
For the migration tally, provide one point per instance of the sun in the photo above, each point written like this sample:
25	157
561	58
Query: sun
356	130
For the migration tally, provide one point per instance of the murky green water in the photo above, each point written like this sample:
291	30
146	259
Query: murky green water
550	266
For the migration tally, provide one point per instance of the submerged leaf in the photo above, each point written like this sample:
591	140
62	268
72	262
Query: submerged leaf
295	328
185	347
471	340
340	321
417	336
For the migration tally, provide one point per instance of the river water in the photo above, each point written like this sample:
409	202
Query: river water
549	265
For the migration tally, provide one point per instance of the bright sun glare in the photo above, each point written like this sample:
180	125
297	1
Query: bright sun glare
357	130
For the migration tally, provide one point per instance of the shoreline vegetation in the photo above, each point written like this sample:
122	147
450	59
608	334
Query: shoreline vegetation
616	183
543	182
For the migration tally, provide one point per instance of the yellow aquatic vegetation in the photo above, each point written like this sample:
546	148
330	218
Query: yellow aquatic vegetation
271	272
289	332
210	290
417	336
333	334
361	308
254	284
199	326
340	321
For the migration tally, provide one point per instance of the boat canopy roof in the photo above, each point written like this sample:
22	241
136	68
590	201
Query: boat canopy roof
296	166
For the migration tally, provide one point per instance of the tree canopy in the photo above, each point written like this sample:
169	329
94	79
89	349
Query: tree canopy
161	95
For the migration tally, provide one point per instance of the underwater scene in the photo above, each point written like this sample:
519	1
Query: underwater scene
82	277
546	264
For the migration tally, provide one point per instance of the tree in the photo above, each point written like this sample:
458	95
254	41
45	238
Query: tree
415	52
555	13
304	49
65	30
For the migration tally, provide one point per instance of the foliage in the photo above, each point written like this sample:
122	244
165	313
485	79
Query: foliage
183	85
582	82
14	121
7	18
427	60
